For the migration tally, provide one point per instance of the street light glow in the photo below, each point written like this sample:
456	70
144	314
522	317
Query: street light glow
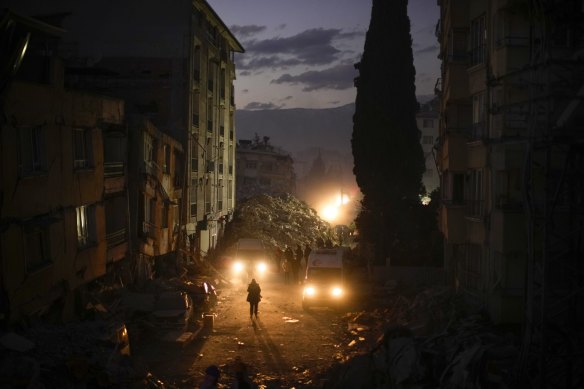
330	212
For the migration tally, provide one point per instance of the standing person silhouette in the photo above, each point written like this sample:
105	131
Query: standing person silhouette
253	297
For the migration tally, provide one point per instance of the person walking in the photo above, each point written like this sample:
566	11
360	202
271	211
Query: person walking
254	297
286	271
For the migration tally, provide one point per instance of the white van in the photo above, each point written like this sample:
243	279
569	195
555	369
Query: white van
324	279
251	259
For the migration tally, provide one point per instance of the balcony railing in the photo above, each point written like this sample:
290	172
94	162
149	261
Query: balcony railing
475	208
117	237
113	169
149	229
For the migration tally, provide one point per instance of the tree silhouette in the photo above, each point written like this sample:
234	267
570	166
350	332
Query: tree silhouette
389	160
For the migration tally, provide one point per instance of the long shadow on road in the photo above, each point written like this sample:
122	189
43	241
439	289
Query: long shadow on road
269	349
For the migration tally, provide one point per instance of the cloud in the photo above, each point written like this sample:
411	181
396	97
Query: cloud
426	30
257	105
337	77
427	49
247	30
282	26
310	47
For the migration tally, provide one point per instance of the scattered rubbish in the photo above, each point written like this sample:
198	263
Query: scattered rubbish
291	321
352	343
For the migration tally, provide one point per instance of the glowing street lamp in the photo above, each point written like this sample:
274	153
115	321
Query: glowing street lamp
330	212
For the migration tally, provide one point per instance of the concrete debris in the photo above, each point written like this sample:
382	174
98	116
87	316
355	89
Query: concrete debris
427	339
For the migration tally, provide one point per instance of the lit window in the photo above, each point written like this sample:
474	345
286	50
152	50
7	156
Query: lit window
427	139
85	225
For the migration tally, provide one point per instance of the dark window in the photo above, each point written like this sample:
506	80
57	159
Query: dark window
478	44
82	148
33	153
36	247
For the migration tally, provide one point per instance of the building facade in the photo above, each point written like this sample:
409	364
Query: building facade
63	201
508	127
174	65
263	169
427	121
156	174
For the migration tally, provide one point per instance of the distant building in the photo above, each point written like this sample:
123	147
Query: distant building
64	205
263	169
427	120
174	64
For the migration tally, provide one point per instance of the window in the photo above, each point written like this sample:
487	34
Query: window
220	195
196	109
82	148
33	154
427	139
478	116
176	216
428	123
36	247
251	164
166	165
197	63
267	166
195	156
164	220
86	234
148	148
230	190
193	211
478	35
475	193
222	83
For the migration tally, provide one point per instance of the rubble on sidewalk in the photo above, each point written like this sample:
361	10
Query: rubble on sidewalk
426	339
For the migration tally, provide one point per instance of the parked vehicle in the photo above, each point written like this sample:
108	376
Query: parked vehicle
173	310
324	281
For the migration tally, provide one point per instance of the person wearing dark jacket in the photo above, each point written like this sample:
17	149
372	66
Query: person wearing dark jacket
253	297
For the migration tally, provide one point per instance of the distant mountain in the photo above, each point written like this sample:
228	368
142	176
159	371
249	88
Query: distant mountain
299	128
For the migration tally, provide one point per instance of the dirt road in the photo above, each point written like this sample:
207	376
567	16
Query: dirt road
284	348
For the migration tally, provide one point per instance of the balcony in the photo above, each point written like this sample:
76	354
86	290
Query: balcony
454	151
209	126
455	83
210	85
117	237
196	120
453	223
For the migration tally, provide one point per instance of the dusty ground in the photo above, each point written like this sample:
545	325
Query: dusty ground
284	348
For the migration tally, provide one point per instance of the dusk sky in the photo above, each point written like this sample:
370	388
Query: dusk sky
300	54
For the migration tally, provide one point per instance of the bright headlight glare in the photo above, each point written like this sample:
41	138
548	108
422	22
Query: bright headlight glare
310	291
237	267
337	292
261	267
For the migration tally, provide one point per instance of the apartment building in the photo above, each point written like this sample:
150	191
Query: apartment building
63	203
482	216
427	121
508	129
263	169
173	64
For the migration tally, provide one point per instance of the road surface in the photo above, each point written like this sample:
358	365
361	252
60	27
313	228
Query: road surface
284	348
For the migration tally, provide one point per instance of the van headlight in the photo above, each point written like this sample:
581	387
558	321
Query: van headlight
261	267
309	291
238	267
337	292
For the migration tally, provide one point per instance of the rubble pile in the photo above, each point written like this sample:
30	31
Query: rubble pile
428	340
277	221
99	350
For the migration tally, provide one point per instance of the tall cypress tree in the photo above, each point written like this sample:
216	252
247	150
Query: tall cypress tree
389	160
